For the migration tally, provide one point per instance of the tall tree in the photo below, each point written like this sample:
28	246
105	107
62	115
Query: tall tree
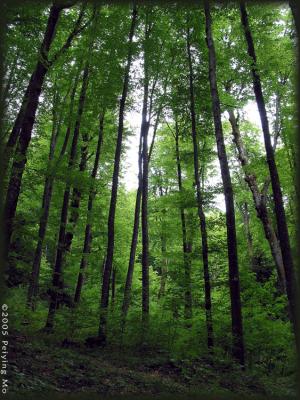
136	222
134	240
46	201
291	283
88	227
145	166
259	198
24	122
201	215
114	191
186	245
57	270
76	195
234	281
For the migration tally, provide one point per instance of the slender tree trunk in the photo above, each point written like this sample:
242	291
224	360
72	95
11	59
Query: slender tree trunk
47	196
76	196
259	202
32	289
201	214
282	228
243	207
114	191
134	240
113	286
88	233
6	89
57	271
144	214
135	231
164	268
234	280
23	128
188	310
164	258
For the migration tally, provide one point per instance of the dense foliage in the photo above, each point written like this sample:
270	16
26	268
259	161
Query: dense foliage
151	263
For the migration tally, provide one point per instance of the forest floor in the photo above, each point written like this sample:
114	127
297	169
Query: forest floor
48	370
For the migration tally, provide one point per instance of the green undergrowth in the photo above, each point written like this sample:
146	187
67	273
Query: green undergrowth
42	366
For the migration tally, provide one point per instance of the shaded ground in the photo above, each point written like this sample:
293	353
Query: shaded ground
46	368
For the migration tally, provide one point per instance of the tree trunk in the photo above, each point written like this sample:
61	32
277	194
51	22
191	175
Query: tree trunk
114	192
164	258
296	15
76	196
23	128
135	231
144	214
57	271
134	240
6	89
113	286
47	195
246	220
201	214
282	228
234	281
88	234
259	202
32	289
188	310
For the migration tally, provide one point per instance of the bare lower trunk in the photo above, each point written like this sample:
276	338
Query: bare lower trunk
134	239
234	280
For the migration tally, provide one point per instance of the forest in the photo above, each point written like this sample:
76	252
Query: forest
149	199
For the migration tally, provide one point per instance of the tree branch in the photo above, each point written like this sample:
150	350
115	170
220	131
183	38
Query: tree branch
76	30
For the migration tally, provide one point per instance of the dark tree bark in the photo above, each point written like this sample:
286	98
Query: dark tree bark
88	227
24	122
234	281
296	15
114	191
201	214
291	284
23	127
57	271
259	199
47	196
186	246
